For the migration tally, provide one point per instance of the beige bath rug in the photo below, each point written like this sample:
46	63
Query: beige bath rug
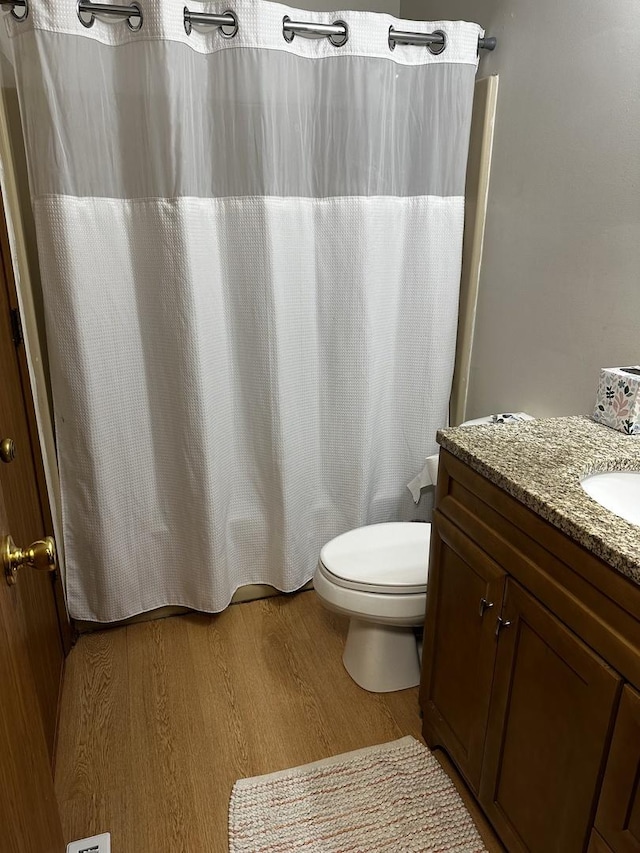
393	797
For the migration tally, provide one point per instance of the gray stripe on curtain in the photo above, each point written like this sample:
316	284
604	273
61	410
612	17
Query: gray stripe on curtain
174	123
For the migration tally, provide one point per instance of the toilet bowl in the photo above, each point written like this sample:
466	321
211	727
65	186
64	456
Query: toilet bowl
377	575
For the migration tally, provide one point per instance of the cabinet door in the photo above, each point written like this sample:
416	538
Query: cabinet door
597	845
618	818
551	710
464	594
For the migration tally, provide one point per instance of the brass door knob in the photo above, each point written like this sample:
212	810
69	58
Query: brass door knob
7	450
40	555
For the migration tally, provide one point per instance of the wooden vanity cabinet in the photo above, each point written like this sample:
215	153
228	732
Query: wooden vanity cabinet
527	648
618	817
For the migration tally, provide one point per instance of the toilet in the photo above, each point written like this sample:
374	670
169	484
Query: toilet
377	575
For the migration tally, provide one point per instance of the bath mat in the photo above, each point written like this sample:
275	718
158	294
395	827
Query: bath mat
393	797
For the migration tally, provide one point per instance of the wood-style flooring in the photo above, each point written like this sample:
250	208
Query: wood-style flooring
158	719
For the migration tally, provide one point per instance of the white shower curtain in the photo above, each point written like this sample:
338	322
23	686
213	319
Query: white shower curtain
250	252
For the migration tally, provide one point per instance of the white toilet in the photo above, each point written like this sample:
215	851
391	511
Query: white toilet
377	575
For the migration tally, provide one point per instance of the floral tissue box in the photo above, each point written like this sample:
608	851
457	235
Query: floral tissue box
618	400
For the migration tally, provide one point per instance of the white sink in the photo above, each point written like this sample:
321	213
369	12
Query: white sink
617	491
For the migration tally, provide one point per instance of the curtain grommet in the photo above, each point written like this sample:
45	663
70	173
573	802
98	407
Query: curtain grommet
288	35
25	13
340	41
230	32
88	24
437	49
137	13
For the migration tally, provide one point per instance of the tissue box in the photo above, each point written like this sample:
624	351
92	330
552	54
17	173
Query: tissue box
618	399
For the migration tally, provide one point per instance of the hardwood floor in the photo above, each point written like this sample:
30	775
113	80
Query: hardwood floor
160	718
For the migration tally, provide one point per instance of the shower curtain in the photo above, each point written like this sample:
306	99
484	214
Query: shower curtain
250	251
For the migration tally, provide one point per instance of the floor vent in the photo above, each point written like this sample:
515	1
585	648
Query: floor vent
95	844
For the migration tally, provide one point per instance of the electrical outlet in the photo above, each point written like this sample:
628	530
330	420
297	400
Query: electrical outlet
95	844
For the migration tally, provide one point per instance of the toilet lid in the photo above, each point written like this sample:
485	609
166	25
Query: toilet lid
391	556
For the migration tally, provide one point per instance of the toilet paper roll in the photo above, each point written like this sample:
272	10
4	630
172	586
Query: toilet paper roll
426	477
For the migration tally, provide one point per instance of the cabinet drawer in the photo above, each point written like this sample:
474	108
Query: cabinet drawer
618	818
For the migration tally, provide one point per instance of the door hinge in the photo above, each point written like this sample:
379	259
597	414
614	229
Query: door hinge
16	327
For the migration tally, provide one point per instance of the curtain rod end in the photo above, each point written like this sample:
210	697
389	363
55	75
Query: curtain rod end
488	43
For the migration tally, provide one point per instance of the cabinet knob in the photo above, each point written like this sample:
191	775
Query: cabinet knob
502	623
484	605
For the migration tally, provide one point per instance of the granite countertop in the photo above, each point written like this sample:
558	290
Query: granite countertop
541	462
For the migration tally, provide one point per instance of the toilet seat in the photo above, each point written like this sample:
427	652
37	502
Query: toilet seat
377	573
382	608
390	558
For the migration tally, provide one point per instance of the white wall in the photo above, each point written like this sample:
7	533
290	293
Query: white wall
391	7
560	284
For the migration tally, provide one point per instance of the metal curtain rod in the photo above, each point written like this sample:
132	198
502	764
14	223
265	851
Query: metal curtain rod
227	24
85	7
133	10
338	34
437	39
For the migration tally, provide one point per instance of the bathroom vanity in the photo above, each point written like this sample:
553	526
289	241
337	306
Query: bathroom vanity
531	662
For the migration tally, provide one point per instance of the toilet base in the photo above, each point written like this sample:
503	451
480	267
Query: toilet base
381	658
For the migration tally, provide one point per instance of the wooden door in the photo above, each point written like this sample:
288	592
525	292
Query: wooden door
552	706
37	599
618	817
29	819
463	598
